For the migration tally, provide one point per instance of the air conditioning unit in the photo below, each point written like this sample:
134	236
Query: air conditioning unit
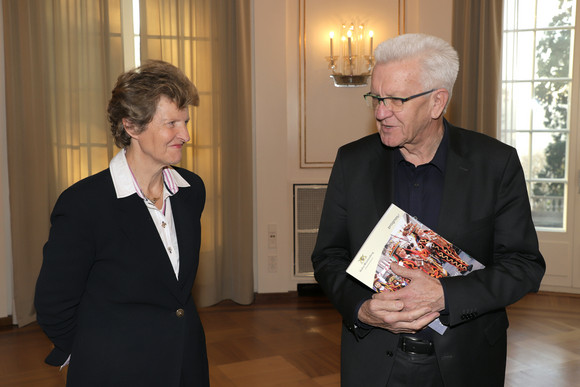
308	201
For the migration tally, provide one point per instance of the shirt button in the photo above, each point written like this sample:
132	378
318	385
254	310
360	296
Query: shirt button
170	250
179	312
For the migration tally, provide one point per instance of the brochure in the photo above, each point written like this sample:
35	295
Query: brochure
400	239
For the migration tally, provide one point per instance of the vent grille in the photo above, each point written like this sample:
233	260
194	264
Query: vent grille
308	201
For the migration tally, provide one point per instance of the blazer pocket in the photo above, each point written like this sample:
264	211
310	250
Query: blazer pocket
496	329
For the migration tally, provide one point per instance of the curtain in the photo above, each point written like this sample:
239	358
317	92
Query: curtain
58	65
62	59
210	41
477	37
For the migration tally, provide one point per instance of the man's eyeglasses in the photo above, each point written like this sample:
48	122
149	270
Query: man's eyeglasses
394	104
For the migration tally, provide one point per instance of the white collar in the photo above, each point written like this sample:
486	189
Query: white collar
124	181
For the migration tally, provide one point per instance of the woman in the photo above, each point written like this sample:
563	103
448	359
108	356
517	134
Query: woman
114	291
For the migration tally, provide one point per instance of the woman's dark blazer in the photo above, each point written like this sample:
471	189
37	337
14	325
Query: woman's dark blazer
485	211
107	293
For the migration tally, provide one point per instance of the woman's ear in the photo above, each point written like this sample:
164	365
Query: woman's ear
130	128
440	98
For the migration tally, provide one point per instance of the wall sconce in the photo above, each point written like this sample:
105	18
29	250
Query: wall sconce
351	68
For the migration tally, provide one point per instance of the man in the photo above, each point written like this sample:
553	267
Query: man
467	187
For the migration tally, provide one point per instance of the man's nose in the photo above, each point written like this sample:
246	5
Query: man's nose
383	111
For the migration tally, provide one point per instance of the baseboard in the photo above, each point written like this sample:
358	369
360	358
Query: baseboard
310	290
6	321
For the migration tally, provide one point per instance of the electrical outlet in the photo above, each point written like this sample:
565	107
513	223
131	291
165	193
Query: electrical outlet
272	264
272	237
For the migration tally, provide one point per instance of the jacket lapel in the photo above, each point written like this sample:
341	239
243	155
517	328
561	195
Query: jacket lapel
383	179
184	226
457	175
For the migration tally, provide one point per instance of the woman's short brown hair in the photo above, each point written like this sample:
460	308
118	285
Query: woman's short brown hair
137	92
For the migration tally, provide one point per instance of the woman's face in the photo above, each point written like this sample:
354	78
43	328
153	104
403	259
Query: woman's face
160	143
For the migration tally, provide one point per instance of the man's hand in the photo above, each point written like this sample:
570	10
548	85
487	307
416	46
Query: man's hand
406	310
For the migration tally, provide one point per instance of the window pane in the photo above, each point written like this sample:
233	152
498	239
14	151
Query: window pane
524	55
553	54
508	55
526	14
551	107
509	18
554	13
547	200
517	105
523	145
550	151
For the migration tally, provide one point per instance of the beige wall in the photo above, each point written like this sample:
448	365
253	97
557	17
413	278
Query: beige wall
277	137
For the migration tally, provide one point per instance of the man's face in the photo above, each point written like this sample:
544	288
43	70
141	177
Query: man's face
407	127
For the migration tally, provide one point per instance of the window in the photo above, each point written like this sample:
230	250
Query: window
130	33
538	40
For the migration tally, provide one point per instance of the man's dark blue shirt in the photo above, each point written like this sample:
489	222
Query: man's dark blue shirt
419	190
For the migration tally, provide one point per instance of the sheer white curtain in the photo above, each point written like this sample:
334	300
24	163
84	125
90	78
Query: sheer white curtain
62	58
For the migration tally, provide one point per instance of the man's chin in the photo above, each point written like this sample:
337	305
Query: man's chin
389	140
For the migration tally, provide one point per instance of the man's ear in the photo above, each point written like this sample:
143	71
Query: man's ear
440	98
130	128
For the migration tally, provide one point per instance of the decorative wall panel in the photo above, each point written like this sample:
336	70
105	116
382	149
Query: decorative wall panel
333	116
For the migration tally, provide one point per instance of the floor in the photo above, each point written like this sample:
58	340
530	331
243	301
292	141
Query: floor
292	340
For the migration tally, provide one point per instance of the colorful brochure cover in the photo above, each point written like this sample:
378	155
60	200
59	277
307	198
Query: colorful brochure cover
401	239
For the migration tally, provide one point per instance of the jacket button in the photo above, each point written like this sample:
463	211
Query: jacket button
179	312
389	354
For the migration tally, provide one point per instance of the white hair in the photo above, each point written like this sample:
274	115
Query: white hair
438	59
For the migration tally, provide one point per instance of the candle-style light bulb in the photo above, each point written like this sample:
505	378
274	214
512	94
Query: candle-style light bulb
331	37
371	36
349	36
